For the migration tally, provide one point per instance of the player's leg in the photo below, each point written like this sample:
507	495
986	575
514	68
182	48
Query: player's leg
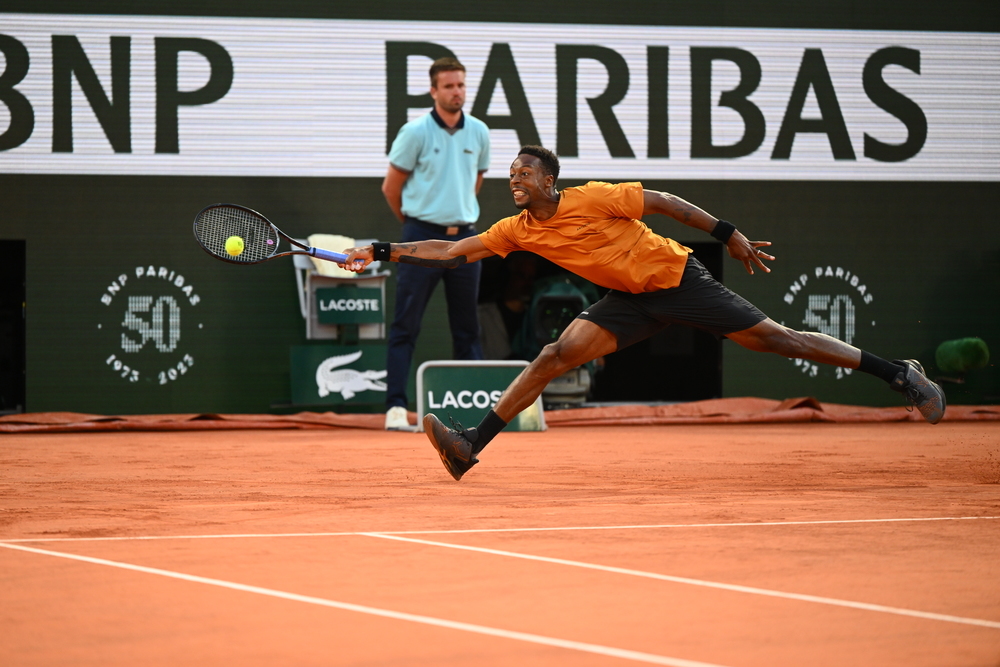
582	341
613	323
769	336
906	377
701	301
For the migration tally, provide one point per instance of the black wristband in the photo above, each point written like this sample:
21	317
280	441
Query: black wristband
723	230
381	252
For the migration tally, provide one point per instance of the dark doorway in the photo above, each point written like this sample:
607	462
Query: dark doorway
12	311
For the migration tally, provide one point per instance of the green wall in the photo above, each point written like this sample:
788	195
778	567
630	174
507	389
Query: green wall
932	278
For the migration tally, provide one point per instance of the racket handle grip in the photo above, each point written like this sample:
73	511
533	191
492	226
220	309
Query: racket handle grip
338	257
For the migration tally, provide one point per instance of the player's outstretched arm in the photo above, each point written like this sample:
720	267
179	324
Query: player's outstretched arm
682	211
433	253
440	254
739	247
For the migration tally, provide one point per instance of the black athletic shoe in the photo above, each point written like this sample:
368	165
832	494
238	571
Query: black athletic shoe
453	447
920	392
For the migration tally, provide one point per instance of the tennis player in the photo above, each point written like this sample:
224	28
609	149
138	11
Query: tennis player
595	231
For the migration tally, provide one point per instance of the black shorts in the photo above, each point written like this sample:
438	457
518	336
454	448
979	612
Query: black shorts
700	301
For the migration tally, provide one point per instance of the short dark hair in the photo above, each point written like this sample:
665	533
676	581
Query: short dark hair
549	160
444	65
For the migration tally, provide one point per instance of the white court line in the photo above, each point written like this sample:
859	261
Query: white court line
707	584
140	538
748	524
625	654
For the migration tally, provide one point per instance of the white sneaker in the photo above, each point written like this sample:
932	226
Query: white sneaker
396	420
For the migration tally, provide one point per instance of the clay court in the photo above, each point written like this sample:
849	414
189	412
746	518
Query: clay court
737	544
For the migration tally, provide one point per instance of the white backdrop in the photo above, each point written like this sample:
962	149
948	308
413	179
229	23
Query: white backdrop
309	98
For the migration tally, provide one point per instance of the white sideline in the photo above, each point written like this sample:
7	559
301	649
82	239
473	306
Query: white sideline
625	654
398	535
748	524
707	584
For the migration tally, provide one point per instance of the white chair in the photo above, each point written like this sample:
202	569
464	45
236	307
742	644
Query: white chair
308	280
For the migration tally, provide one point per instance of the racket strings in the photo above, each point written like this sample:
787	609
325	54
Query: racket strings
215	225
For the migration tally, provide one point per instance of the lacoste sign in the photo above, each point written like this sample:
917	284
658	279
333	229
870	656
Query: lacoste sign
349	304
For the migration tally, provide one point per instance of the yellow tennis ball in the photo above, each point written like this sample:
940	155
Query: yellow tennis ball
234	245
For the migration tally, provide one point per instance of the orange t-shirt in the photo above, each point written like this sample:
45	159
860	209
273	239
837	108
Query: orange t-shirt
596	233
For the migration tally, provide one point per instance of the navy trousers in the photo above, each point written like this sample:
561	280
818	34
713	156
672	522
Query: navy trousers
414	287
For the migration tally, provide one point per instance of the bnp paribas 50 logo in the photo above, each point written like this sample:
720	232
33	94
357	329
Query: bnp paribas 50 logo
146	323
833	301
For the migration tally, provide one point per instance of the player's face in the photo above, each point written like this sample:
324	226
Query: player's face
528	181
449	93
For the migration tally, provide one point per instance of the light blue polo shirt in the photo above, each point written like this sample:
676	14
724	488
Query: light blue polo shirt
443	167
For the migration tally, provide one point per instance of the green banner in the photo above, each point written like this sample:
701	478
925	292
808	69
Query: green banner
338	374
464	391
349	304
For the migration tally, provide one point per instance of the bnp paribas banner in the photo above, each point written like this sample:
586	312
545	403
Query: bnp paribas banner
109	94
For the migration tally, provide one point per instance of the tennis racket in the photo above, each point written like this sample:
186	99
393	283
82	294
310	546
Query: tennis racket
215	224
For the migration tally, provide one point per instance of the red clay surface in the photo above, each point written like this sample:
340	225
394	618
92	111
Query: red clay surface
738	545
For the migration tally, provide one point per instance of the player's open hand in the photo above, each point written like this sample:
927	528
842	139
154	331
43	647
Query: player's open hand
749	252
358	259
